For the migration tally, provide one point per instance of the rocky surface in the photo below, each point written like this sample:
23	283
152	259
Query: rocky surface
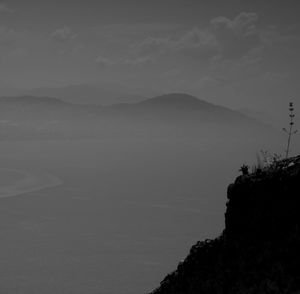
258	251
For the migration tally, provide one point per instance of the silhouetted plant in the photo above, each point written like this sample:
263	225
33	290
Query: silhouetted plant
244	169
270	160
259	161
258	171
290	132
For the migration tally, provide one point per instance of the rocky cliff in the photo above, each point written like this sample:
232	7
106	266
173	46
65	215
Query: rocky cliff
259	249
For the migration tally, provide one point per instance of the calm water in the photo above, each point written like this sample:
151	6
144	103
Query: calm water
126	213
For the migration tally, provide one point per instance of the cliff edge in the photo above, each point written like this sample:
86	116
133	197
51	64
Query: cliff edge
258	251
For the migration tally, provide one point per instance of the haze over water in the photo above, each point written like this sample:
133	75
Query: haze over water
127	211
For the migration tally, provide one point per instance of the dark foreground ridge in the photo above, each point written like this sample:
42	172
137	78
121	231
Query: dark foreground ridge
258	252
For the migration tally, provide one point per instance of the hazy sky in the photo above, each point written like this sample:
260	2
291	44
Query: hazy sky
236	53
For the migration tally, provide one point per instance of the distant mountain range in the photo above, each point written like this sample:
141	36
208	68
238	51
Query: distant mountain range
85	94
44	116
185	107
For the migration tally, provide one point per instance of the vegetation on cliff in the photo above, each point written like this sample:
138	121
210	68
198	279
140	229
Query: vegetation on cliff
258	251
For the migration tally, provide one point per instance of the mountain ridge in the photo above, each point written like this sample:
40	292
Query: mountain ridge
90	94
32	99
172	113
173	101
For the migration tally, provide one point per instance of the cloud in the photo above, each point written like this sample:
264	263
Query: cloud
10	40
238	36
198	43
129	32
19	53
152	46
194	43
223	53
104	61
142	44
4	8
172	73
242	25
109	62
231	39
139	61
63	34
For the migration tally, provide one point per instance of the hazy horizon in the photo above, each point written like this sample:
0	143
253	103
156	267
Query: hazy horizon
240	55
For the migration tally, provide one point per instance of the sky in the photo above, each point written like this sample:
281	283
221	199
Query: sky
241	54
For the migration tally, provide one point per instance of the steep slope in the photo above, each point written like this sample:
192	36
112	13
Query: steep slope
258	251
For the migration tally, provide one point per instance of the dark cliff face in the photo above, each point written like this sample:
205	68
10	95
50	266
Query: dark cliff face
265	205
258	251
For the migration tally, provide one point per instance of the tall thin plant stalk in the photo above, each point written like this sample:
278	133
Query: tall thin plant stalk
290	132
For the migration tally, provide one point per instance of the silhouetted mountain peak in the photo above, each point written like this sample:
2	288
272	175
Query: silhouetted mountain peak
174	100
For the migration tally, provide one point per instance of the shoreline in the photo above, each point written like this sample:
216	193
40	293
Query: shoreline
26	182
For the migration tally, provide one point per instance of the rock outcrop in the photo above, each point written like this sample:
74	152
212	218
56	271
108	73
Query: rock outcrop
258	251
